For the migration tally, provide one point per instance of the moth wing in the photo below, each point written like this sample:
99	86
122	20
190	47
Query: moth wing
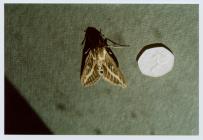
110	52
90	72
112	73
85	53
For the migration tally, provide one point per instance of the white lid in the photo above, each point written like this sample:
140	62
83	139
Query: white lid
156	61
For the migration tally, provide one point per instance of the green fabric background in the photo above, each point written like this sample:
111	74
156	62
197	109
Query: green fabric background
43	54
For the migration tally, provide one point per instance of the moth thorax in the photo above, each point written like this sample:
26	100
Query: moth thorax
101	54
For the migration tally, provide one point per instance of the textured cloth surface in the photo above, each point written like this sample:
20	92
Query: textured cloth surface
43	57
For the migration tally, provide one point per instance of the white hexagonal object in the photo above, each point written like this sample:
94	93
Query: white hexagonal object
156	61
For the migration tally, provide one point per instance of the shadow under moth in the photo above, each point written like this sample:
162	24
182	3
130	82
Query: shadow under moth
98	61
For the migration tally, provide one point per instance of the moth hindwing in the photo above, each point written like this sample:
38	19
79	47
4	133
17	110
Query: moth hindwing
98	61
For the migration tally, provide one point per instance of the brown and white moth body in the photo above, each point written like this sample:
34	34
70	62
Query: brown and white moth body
98	61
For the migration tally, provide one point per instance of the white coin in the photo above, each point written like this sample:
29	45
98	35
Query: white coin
156	61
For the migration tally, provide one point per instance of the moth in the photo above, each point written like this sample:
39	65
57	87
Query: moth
98	61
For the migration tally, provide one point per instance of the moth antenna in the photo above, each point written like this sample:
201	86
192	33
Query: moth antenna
101	32
117	44
87	50
83	41
84	37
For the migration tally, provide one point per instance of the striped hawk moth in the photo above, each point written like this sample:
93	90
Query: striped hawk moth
98	60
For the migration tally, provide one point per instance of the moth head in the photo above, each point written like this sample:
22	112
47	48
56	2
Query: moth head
92	31
93	36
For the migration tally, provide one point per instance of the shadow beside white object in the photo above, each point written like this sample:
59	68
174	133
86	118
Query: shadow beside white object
156	61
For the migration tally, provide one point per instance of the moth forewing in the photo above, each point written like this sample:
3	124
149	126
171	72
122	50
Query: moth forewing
90	73
112	73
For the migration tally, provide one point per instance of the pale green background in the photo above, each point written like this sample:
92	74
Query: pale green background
43	55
